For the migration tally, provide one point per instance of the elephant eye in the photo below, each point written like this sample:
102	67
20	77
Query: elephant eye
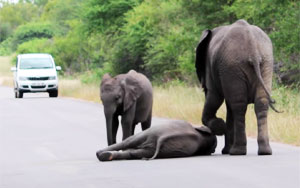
118	97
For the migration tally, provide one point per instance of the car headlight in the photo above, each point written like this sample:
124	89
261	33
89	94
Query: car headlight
52	77
22	78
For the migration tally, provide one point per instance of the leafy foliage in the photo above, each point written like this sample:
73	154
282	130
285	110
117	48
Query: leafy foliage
18	14
107	15
5	31
32	31
60	13
38	45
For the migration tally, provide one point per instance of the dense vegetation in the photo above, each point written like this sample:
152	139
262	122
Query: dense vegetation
156	37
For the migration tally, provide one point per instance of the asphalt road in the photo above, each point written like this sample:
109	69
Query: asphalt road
51	143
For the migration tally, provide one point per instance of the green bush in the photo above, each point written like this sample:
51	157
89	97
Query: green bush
61	13
31	31
107	15
72	50
6	47
95	75
42	45
5	31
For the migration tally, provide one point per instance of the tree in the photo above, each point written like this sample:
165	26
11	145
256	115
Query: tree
32	31
61	12
107	15
18	14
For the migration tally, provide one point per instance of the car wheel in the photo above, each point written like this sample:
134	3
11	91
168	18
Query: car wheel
53	93
19	94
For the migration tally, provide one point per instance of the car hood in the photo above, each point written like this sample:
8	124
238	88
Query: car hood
36	72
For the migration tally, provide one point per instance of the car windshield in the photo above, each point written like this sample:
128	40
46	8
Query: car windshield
36	63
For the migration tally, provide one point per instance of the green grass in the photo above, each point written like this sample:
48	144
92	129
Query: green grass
76	89
178	101
5	73
182	102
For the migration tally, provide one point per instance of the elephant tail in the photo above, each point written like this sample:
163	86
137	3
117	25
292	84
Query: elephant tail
258	74
158	146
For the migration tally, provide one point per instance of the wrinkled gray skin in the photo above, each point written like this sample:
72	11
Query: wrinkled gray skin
235	63
127	95
173	139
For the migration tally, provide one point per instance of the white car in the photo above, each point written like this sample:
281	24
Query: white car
35	73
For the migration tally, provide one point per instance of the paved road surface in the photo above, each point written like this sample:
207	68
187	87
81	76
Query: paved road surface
51	143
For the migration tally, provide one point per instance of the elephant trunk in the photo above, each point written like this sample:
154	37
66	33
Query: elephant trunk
109	130
109	112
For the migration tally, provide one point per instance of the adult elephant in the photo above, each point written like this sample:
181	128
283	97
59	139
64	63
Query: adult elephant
127	95
235	63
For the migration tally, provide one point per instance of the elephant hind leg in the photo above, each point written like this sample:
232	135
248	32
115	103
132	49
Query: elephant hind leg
236	94
239	146
105	156
229	130
261	111
126	154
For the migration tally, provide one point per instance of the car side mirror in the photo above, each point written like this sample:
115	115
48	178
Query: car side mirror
58	68
13	69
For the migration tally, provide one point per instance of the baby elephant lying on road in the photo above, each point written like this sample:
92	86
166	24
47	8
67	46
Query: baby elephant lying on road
173	139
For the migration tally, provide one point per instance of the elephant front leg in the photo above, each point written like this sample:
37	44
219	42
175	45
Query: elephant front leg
131	142
127	122
261	111
146	124
212	104
115	126
114	147
127	128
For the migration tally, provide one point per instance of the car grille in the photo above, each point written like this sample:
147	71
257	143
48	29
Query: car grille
38	78
37	87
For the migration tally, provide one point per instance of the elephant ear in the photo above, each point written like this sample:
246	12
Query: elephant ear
132	89
203	130
201	53
105	78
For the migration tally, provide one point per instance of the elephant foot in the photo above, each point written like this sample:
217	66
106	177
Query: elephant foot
225	150
217	126
104	156
238	150
264	150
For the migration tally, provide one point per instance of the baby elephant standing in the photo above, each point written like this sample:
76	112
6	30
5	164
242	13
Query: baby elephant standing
174	139
127	95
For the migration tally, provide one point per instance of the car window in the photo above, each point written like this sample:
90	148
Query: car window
36	63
